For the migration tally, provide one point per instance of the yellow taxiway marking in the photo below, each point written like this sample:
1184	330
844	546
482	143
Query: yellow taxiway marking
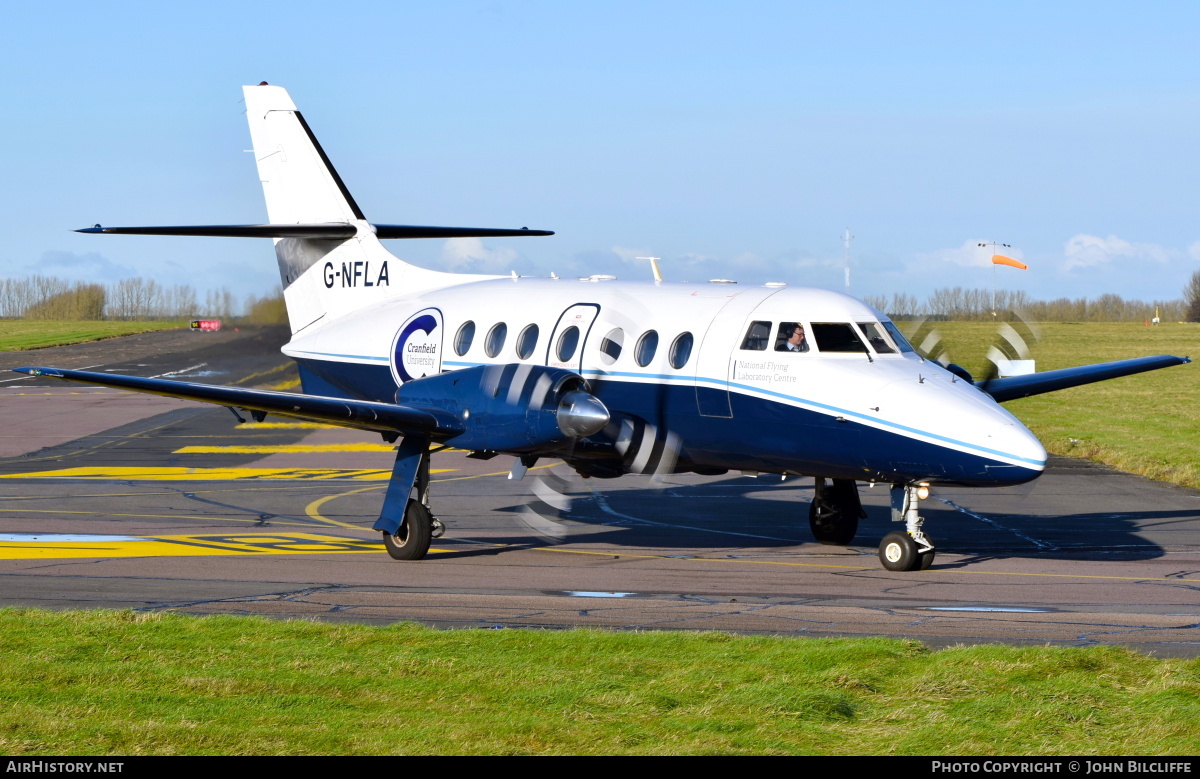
313	510
56	546
209	474
284	426
285	448
930	572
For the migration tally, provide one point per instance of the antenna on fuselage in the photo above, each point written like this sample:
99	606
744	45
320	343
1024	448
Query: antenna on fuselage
654	267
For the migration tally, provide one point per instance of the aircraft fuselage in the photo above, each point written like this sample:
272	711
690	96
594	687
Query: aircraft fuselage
733	401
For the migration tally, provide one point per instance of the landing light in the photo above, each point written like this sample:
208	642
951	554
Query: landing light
923	490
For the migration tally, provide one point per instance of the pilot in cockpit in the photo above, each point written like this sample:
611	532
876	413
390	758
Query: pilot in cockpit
791	338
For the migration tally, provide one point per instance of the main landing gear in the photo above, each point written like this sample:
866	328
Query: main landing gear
834	512
911	550
408	525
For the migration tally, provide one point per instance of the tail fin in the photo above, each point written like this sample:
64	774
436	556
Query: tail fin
299	183
322	277
330	259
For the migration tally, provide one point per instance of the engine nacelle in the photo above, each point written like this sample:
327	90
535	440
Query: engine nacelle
510	408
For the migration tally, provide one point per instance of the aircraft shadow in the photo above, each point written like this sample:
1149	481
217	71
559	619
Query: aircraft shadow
744	513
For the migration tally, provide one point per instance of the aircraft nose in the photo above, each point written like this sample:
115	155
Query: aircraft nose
1019	442
1003	437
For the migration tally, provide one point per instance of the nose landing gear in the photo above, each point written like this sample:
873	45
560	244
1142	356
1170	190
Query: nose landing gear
911	550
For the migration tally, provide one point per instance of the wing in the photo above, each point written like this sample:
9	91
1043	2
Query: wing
1014	387
362	414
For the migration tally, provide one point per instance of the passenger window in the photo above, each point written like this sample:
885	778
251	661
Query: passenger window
757	336
610	347
527	341
681	350
567	343
837	337
495	339
876	338
647	345
464	337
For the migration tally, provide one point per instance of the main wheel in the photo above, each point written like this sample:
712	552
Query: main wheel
898	552
411	541
833	523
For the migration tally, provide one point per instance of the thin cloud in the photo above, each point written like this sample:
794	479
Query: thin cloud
469	255
1085	251
90	267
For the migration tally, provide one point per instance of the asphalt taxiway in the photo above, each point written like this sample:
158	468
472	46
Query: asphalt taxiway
111	499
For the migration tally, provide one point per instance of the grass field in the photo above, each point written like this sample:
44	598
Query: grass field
1147	424
125	683
19	334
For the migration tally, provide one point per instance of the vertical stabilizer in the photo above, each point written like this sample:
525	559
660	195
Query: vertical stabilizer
322	278
299	183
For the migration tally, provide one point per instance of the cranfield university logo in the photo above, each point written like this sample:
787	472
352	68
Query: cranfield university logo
417	351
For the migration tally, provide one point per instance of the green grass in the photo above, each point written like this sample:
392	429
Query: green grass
1147	424
124	683
19	334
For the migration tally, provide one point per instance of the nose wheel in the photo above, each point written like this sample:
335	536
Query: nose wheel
901	552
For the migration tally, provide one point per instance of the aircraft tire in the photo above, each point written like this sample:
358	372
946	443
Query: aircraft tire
837	528
411	541
926	558
898	552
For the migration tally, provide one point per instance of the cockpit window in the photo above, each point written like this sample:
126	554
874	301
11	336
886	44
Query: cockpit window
837	337
876	338
791	337
757	336
898	337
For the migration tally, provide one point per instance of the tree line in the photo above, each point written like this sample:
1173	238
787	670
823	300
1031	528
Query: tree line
958	303
49	297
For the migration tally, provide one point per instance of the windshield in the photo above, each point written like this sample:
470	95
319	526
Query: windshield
876	338
837	337
898	337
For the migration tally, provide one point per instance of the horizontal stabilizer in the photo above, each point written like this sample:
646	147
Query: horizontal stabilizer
331	230
361	414
1014	387
414	231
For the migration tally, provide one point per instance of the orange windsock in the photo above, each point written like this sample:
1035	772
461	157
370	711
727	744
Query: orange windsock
1000	259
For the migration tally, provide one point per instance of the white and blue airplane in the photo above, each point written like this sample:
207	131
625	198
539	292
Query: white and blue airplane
612	377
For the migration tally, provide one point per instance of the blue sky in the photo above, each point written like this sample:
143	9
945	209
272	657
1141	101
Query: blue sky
733	140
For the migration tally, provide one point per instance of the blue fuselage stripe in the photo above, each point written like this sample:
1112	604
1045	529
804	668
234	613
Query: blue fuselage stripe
749	390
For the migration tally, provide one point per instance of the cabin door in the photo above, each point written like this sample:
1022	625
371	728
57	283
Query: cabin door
714	366
565	348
